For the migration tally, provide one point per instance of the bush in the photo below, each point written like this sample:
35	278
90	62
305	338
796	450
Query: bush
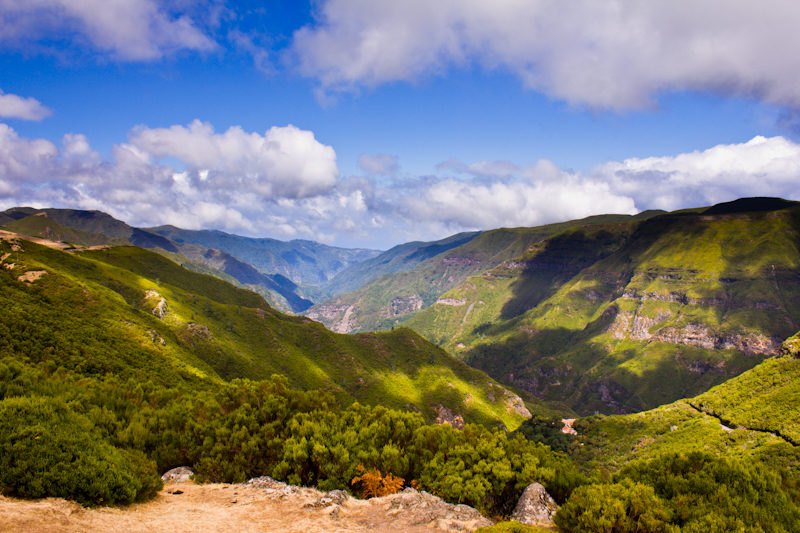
46	449
625	507
511	527
693	493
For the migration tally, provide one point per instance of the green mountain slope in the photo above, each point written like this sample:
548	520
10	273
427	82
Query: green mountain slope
90	221
303	262
90	228
43	226
133	313
398	259
752	416
393	298
625	317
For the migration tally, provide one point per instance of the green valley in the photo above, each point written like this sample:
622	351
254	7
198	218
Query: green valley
395	296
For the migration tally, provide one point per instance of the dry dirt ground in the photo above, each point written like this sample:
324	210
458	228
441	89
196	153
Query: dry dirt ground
239	508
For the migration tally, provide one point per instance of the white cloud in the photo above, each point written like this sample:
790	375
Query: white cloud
760	167
360	211
136	30
284	162
617	54
13	106
460	206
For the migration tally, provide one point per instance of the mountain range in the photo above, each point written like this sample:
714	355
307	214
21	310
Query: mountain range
673	337
608	314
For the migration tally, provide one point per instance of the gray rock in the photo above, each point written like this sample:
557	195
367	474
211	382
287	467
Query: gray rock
264	482
535	507
181	474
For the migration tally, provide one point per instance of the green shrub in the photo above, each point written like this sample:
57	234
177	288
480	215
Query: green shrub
547	431
692	493
511	527
46	449
619	508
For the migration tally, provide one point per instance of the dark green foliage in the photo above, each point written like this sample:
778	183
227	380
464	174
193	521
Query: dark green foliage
625	507
727	494
487	469
547	431
696	492
46	449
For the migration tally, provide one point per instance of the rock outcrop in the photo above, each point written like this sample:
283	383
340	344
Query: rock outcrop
635	326
181	474
535	507
446	416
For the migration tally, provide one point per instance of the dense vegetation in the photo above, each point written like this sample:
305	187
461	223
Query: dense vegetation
390	299
98	312
119	359
694	493
116	365
619	318
102	440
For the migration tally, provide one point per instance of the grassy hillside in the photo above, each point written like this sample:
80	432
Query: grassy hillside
753	416
89	228
626	317
398	259
303	262
133	313
43	226
390	299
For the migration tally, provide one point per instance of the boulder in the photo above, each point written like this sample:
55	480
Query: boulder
181	474
535	507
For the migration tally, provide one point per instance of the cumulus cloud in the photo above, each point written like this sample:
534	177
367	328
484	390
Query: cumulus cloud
760	167
600	54
13	106
284	162
136	30
225	185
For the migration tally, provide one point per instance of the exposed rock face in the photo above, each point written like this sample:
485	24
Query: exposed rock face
446	416
409	509
181	474
637	327
264	482
347	323
422	509
535	507
31	275
451	301
404	305
161	309
198	330
514	404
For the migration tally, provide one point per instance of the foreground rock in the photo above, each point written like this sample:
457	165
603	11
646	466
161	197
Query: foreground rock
535	507
182	474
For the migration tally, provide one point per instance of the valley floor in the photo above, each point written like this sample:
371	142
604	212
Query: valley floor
239	508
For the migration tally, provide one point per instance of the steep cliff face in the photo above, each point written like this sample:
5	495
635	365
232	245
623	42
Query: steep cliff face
624	317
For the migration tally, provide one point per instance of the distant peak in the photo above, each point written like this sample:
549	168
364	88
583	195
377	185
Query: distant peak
749	205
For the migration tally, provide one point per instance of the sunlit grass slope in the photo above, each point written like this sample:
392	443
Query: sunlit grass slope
625	317
133	313
754	416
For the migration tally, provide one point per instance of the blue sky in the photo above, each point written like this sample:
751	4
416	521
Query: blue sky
362	123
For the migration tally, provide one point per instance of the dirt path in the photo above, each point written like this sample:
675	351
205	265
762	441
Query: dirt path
241	509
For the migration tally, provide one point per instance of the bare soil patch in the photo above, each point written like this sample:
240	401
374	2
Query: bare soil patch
189	508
